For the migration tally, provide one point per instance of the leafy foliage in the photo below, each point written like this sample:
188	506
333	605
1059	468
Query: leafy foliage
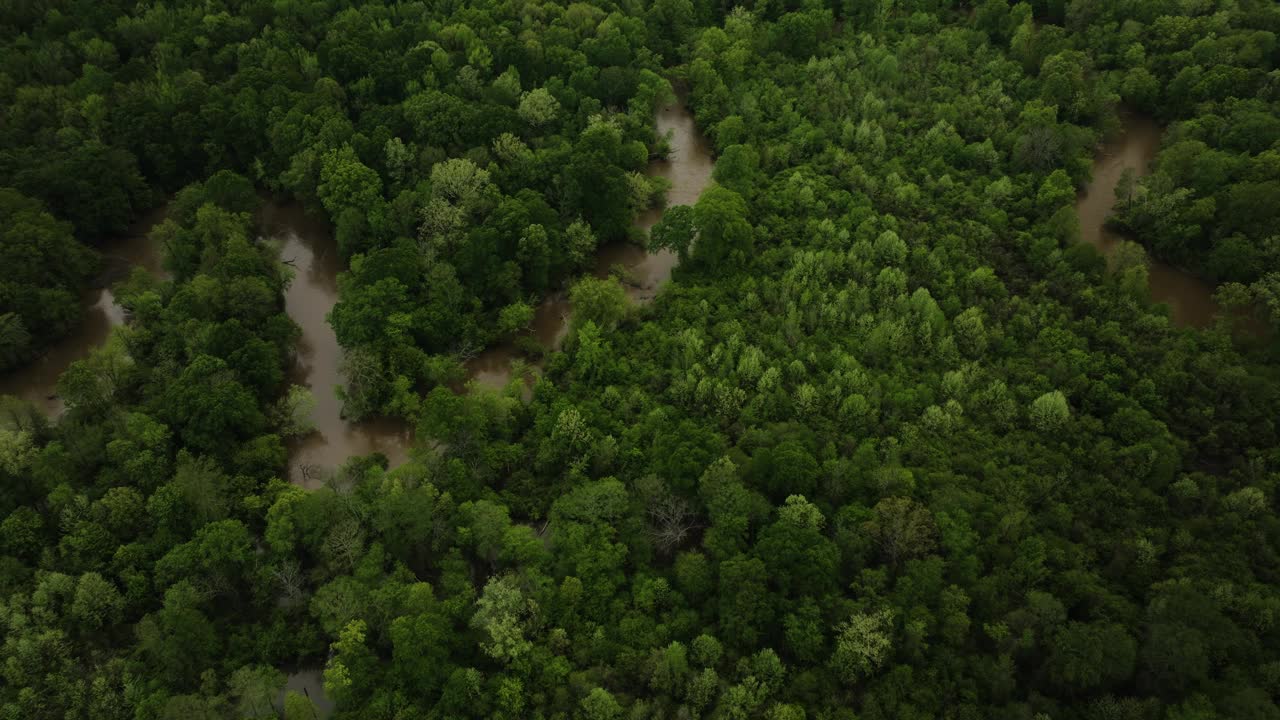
889	445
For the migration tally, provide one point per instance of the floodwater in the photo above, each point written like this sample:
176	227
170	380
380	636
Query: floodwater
1190	299
308	246
310	683
37	381
493	366
688	167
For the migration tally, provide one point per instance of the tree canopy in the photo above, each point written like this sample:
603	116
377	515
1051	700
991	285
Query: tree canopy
890	444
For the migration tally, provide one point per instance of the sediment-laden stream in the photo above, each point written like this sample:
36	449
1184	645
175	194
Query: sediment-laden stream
37	381
1190	299
688	168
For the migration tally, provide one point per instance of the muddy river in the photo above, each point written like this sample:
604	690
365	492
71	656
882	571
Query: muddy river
306	243
688	168
309	246
37	381
1189	298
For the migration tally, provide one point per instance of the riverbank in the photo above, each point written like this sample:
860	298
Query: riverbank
687	169
1190	298
37	381
307	244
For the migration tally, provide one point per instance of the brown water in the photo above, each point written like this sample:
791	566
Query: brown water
310	683
688	167
307	244
492	367
37	381
1190	299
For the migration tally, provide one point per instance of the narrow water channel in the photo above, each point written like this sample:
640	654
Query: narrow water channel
308	246
688	168
1190	299
37	381
310	684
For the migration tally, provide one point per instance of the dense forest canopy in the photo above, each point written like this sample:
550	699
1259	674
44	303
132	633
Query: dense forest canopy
892	444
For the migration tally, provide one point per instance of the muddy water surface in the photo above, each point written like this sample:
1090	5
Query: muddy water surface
310	683
308	246
38	380
688	168
1190	299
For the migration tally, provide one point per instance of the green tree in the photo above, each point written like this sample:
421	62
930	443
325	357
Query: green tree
902	528
503	614
1055	192
1088	656
46	269
602	302
1050	411
345	182
97	603
674	232
862	645
724	234
539	107
600	704
744	600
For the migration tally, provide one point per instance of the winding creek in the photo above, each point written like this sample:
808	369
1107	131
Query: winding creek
688	168
1190	299
308	245
37	382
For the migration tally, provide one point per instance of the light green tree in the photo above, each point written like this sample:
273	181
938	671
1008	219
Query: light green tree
1055	192
507	86
17	449
1050	411
580	242
600	704
801	513
539	107
351	663
293	412
459	181
345	182
398	156
970	332
603	302
510	149
515	317
503	613
97	602
863	643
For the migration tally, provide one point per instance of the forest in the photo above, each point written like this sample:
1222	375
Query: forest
896	440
